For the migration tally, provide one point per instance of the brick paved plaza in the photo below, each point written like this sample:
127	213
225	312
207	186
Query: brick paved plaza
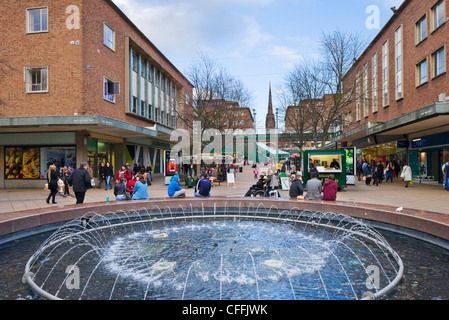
426	197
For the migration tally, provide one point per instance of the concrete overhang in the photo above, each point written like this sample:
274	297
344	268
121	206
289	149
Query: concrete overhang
430	117
97	124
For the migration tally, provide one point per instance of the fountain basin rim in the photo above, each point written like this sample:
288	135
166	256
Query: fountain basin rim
28	276
433	223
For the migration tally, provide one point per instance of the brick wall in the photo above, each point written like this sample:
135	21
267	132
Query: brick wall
75	72
414	97
52	49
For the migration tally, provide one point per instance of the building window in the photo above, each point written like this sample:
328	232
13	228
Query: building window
142	108
385	74
36	79
111	89
109	37
421	73
365	91
398	51
438	62
151	73
143	68
37	20
134	62
357	103
134	106
421	30
374	83
438	15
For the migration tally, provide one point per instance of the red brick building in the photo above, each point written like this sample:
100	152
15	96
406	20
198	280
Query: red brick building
399	108
82	83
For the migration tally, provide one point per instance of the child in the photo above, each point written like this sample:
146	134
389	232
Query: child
256	173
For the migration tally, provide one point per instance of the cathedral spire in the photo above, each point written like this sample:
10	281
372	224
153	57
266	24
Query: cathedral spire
270	123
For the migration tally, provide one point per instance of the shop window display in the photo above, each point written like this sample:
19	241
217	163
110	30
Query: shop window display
33	162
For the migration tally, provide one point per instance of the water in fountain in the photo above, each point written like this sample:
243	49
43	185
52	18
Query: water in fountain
214	253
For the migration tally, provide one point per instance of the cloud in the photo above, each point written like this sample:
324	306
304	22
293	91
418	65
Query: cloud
184	27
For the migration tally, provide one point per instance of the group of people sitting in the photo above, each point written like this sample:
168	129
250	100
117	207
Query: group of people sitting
314	188
131	189
202	189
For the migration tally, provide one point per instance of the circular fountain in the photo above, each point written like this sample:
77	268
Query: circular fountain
238	252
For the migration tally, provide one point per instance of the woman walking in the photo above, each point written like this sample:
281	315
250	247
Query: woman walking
52	179
65	178
109	174
406	174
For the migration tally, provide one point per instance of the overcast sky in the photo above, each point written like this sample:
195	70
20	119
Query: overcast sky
257	40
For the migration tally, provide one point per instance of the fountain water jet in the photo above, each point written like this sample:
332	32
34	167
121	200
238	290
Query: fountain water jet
123	250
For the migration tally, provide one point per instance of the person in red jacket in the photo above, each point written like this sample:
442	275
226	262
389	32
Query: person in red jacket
330	189
125	174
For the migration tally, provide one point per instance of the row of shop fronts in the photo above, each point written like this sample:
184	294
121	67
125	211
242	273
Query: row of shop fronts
420	139
426	161
26	156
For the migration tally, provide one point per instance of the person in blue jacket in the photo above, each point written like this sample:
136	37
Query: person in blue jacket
203	187
174	189
140	189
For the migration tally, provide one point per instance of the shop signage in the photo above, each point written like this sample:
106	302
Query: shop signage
439	139
403	144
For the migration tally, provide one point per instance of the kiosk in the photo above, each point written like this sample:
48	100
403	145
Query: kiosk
326	162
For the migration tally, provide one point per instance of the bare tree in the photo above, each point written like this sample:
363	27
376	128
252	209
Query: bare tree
216	95
217	98
340	51
301	96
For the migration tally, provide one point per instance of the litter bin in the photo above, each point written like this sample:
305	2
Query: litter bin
189	182
240	169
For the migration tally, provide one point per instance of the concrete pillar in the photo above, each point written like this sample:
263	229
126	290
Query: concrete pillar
81	147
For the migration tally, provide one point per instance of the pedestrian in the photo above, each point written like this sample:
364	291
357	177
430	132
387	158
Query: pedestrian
65	175
390	171
101	175
314	187
203	187
91	173
149	170
330	189
120	189
364	165
406	174
368	174
446	173
109	174
376	175
380	172
80	180
174	189
52	179
359	170
296	189
140	191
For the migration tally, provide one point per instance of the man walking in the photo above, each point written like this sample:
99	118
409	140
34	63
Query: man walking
446	174
80	180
